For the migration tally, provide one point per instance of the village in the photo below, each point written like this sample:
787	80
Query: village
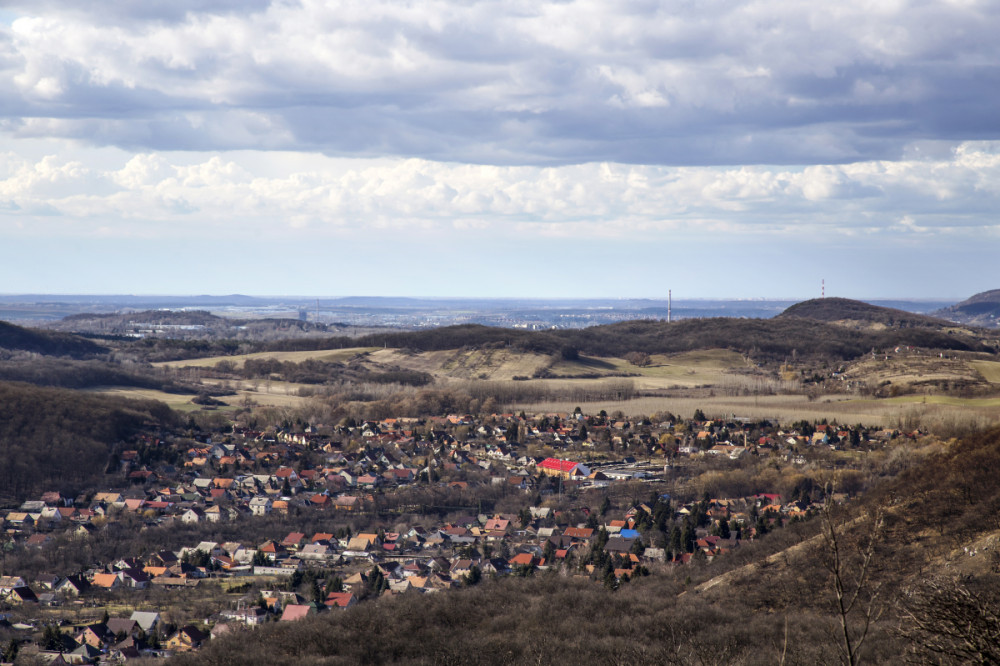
403	506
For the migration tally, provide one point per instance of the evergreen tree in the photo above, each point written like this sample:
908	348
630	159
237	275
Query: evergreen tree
474	576
688	536
52	638
549	553
723	530
10	652
676	543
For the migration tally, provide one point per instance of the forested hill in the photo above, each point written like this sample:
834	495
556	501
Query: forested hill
760	338
55	439
983	309
18	338
847	310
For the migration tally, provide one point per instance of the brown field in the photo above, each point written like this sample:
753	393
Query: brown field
909	412
179	401
495	364
726	373
664	371
689	369
276	394
990	370
908	369
327	355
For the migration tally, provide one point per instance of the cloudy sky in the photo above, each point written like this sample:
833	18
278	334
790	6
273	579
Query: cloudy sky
500	147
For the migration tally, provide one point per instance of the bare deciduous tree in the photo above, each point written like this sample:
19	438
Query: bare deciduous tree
850	561
951	622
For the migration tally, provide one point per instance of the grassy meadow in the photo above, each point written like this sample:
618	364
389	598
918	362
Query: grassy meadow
907	412
719	382
327	356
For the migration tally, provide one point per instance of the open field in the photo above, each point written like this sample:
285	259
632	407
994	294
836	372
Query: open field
908	412
495	364
943	400
688	369
325	355
737	388
179	401
990	370
276	394
908	369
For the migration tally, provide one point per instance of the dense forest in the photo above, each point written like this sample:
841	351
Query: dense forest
18	338
845	309
764	339
319	372
52	437
84	374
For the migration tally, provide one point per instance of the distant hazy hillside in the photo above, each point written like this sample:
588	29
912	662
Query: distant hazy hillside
761	338
168	317
847	310
983	309
17	338
189	324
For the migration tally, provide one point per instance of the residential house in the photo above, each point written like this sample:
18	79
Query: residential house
106	581
147	620
295	612
186	638
340	600
565	469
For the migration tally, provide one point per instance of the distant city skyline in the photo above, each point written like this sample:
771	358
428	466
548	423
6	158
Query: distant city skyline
485	149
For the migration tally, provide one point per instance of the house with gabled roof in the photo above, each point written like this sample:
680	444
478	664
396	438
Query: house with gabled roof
579	533
293	540
295	612
147	620
106	581
20	595
186	638
340	600
95	635
120	625
565	469
72	586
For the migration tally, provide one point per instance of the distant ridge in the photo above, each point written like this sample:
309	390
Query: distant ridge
983	309
18	338
848	310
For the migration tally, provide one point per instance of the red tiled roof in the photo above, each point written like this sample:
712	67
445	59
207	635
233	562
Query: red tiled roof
558	465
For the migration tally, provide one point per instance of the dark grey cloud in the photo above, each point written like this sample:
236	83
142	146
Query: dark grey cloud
494	82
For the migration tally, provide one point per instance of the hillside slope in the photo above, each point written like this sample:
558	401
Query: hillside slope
983	309
858	312
55	438
773	339
18	338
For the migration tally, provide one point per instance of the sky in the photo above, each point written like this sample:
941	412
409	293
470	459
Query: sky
500	148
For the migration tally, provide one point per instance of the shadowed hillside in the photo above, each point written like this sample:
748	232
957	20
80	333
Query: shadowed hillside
983	309
774	339
18	338
54	438
848	310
